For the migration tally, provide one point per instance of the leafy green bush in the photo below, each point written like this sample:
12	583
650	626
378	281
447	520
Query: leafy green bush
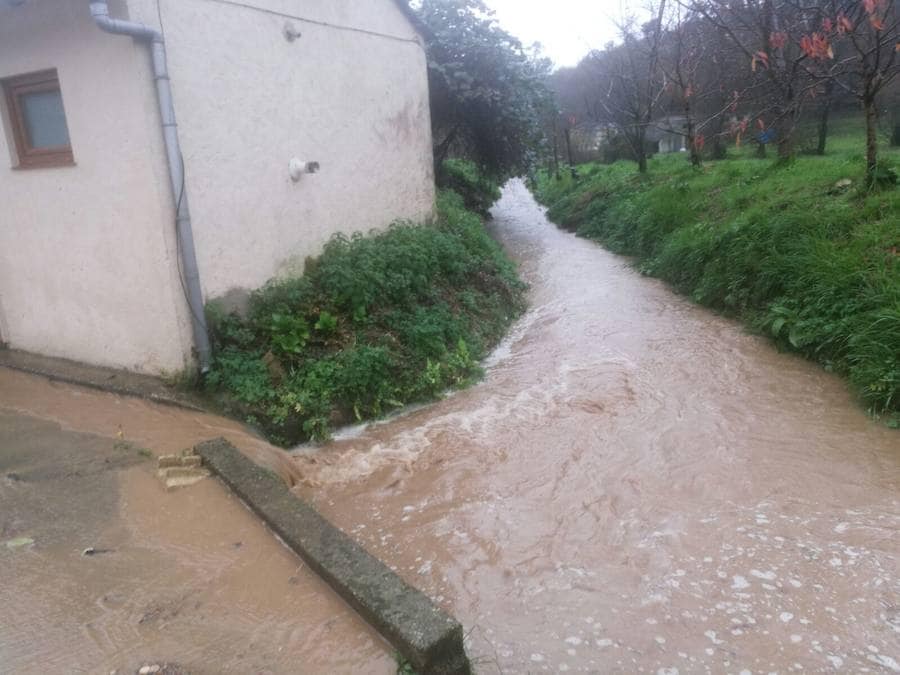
813	266
479	192
375	322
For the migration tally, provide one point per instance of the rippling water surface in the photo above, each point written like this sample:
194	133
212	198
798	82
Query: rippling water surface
637	486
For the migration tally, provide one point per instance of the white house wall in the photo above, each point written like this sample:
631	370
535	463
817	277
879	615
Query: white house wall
350	93
88	266
86	252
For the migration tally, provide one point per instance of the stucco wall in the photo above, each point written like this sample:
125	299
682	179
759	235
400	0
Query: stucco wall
248	101
86	252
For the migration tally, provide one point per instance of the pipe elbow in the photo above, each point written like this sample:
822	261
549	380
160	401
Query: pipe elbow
100	14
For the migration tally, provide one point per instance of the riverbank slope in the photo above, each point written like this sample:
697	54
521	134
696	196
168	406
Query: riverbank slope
799	252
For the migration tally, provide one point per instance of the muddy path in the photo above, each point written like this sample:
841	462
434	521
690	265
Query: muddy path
637	486
188	576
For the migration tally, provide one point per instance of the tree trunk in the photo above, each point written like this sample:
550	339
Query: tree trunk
823	118
871	138
556	152
895	139
823	129
640	150
718	148
642	162
784	138
440	154
691	134
761	150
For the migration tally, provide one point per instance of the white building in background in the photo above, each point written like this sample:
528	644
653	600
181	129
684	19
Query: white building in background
669	132
264	92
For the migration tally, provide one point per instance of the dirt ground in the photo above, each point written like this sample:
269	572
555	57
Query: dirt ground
186	577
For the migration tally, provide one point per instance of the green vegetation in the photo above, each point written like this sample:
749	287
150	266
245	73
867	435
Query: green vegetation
479	192
376	322
791	249
404	667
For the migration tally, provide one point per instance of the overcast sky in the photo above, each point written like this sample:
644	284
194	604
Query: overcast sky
567	29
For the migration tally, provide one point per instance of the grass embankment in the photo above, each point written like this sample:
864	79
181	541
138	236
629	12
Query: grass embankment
812	264
375	322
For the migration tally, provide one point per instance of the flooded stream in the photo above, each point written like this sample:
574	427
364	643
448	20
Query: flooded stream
638	485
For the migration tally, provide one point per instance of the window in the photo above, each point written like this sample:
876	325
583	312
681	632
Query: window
37	120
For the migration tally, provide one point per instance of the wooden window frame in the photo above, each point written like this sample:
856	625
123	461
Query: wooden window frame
14	88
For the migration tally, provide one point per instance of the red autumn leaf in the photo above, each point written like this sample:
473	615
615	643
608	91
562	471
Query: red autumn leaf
869	6
816	46
876	22
759	57
699	141
844	24
827	24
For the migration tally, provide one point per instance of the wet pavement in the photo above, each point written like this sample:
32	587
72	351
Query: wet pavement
638	485
186	577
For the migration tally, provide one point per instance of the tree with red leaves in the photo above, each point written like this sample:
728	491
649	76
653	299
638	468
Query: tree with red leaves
774	37
866	34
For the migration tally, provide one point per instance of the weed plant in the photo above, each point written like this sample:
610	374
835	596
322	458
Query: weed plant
376	322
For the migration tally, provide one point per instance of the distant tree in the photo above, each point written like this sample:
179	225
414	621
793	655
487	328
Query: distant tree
870	31
488	92
578	91
703	82
892	95
769	34
632	82
683	55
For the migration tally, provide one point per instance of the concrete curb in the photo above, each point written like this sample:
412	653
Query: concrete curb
114	381
430	639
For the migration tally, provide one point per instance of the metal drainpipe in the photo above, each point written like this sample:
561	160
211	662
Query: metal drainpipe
191	273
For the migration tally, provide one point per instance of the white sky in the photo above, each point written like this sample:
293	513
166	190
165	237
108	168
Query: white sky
567	29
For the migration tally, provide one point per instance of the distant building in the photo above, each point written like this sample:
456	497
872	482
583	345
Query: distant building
264	92
588	140
669	134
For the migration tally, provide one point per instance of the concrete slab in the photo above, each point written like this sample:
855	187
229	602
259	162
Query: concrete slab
429	638
105	379
104	570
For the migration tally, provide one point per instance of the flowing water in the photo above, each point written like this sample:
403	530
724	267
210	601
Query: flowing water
638	485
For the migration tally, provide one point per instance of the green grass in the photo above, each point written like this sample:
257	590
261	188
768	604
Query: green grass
376	322
479	192
815	268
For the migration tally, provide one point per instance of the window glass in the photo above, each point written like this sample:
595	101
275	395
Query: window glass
45	120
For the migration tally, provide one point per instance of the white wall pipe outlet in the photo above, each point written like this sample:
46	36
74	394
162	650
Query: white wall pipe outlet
298	167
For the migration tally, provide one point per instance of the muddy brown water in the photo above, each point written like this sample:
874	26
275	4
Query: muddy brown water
188	576
638	485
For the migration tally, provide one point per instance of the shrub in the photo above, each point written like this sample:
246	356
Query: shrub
479	191
375	322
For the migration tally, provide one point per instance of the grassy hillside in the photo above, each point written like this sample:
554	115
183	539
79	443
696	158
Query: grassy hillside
792	250
375	322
